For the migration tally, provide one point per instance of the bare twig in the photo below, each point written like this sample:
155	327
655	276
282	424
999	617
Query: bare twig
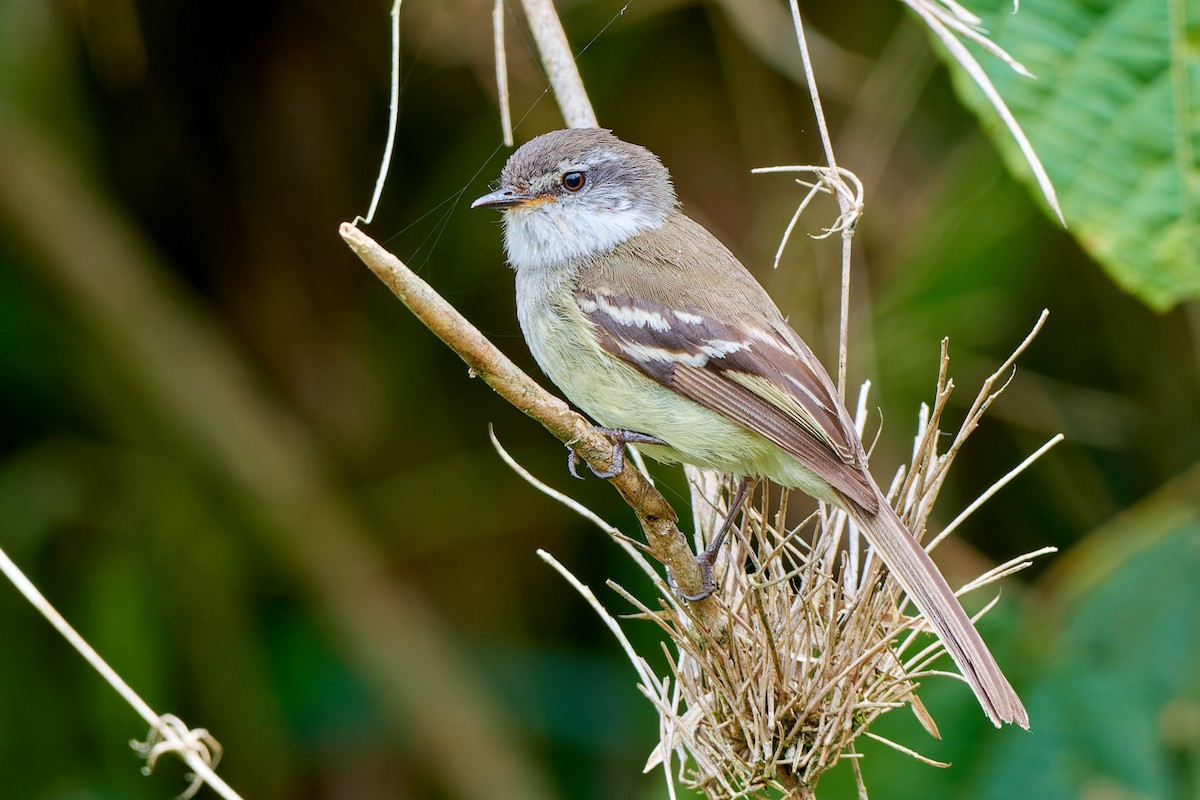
840	182
656	516
650	682
995	487
847	206
631	546
168	734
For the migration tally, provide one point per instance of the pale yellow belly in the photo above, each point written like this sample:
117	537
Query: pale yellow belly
616	395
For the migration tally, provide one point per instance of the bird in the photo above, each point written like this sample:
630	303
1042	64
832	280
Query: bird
653	328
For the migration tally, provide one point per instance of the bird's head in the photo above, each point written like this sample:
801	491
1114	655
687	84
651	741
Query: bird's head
572	194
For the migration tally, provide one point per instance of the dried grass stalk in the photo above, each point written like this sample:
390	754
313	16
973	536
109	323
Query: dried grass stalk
818	639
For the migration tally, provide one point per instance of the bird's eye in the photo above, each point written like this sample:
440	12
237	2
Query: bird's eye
574	181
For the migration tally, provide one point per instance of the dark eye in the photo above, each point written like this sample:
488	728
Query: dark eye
574	181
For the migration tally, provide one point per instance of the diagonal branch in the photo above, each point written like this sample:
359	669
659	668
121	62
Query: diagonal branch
655	514
657	518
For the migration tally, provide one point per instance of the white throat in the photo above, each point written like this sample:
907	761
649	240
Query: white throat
551	235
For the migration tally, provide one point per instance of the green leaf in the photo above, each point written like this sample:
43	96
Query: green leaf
1113	115
1115	714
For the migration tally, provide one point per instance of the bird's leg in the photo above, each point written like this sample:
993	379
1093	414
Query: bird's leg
706	559
619	438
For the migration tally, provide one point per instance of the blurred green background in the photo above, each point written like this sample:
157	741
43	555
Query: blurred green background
265	493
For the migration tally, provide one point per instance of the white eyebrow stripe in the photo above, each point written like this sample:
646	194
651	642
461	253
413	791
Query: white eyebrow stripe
594	157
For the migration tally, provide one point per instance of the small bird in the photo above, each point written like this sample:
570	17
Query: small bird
654	329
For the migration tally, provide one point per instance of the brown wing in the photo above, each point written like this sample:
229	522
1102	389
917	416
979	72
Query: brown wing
749	373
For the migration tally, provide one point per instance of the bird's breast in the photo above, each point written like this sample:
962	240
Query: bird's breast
616	395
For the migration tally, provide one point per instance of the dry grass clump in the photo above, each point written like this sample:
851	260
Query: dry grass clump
816	640
810	658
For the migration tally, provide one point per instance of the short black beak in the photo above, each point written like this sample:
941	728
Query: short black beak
502	198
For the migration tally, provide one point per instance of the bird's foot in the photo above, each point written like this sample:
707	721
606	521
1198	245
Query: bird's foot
619	438
706	559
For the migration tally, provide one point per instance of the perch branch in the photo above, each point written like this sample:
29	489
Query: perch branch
657	518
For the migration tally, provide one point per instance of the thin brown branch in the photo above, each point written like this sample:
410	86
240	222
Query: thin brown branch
657	518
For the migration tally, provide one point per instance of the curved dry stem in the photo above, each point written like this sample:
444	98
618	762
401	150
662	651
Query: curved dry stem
393	114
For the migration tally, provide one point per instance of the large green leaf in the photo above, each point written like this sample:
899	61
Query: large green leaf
1115	713
1113	114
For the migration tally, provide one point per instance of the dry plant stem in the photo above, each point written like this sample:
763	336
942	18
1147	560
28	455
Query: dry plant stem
995	487
632	547
966	24
656	516
393	113
843	203
502	71
560	64
987	394
193	756
843	641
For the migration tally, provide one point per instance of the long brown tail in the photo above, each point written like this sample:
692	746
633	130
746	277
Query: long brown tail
920	578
